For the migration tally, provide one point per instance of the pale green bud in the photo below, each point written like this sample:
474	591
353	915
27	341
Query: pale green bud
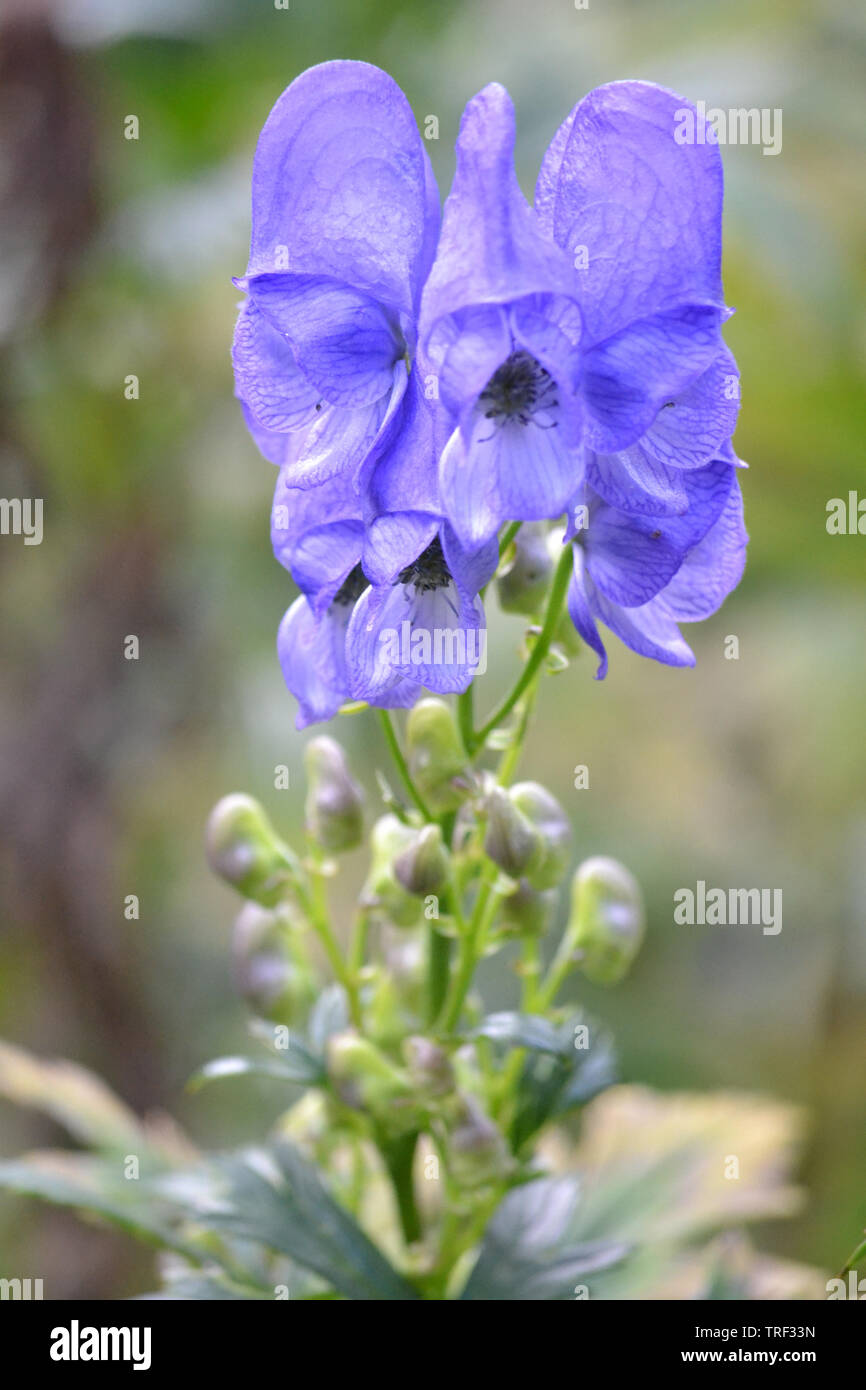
606	925
430	1068
365	1079
477	1148
436	755
388	839
528	911
522	585
510	839
422	867
545	814
334	805
244	849
274	982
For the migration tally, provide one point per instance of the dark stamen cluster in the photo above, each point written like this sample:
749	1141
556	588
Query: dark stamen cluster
429	571
517	389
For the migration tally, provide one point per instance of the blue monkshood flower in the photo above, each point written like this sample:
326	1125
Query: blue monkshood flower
312	650
422	623
345	218
640	216
642	575
501	328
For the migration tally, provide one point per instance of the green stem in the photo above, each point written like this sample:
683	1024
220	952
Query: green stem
466	718
399	1155
438	971
552	614
471	949
321	923
402	766
853	1259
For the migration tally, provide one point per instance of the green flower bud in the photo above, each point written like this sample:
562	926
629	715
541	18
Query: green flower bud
529	911
510	838
436	754
522	585
422	867
244	849
334	805
274	983
365	1079
388	839
429	1066
544	812
477	1149
607	919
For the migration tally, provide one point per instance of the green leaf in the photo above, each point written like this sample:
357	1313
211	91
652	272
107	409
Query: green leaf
523	1256
208	1288
329	1015
95	1186
552	1084
283	1204
297	1067
522	1030
306	1068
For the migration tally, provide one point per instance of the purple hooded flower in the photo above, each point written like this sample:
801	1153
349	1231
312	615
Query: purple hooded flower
424	622
345	222
640	214
641	575
500	327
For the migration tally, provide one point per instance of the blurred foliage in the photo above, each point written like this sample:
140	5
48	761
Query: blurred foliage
747	772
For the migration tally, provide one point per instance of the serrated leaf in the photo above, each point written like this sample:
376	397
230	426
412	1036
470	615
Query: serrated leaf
284	1205
522	1256
306	1069
521	1030
93	1185
329	1015
551	1083
293	1069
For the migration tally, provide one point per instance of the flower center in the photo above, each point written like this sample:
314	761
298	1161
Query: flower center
429	571
352	589
518	390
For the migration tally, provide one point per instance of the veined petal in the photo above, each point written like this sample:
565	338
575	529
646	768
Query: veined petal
280	447
342	185
648	630
341	441
491	249
579	610
632	482
268	378
713	568
392	542
312	662
629	377
404	632
345	343
645	209
632	558
689	431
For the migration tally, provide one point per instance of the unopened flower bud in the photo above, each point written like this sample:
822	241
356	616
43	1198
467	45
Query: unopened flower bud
529	911
334	805
429	1066
275	984
477	1148
389	838
544	812
244	849
607	919
422	867
436	754
510	838
364	1078
522	586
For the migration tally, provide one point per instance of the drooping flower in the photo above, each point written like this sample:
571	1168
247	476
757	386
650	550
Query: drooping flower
345	221
424	623
642	575
500	327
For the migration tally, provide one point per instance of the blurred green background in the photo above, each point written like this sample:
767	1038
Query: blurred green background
116	259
